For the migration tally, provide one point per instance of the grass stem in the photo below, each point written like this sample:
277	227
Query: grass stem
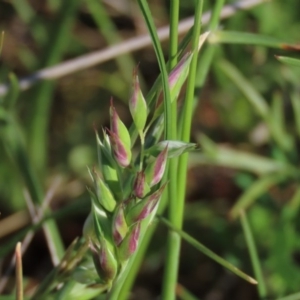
176	212
170	272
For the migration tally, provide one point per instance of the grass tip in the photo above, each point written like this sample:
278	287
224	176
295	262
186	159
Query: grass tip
18	249
252	280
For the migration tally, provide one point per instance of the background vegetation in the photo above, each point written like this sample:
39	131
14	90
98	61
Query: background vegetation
247	122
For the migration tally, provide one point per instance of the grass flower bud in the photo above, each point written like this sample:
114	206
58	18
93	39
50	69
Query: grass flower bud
140	186
130	242
145	207
103	193
176	80
120	138
121	153
137	104
179	74
155	170
119	225
108	167
104	261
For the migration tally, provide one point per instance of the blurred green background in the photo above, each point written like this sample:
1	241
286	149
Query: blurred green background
53	121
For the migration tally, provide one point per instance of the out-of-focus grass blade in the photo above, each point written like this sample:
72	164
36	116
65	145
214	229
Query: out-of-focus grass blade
257	189
291	209
257	101
277	124
262	290
29	16
208	252
273	117
290	297
109	31
184	294
28	59
43	94
289	61
13	93
236	37
296	108
224	156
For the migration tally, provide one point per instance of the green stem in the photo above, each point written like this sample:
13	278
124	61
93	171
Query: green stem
206	58
173	46
170	273
193	242
262	290
176	211
162	65
214	21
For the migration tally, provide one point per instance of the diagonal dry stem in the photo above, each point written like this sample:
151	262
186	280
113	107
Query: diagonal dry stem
133	44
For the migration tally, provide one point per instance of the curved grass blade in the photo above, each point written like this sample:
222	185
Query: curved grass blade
208	252
162	65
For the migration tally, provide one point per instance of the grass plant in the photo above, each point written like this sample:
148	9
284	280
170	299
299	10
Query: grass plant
138	201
